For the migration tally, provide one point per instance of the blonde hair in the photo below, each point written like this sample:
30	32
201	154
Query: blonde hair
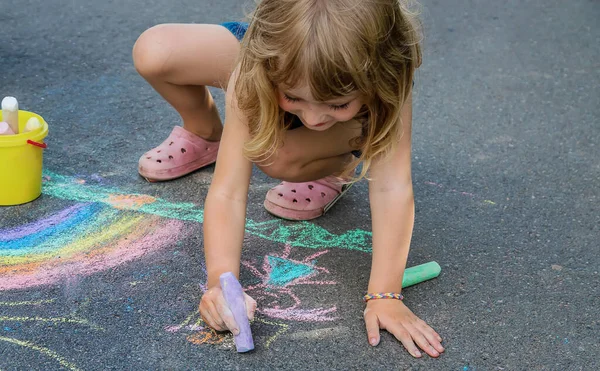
338	47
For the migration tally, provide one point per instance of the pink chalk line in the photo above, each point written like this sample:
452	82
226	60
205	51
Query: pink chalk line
293	312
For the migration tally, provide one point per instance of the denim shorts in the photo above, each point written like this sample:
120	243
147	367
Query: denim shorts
238	29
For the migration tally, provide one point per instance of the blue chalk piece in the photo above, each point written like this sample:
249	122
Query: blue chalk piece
234	296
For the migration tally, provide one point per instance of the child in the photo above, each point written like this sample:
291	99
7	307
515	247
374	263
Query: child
314	88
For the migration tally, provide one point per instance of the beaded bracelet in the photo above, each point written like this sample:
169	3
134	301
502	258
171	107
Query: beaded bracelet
383	295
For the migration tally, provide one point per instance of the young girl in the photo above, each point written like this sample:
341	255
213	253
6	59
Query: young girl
315	88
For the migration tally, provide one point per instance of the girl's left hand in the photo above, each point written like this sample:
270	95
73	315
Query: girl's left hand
395	317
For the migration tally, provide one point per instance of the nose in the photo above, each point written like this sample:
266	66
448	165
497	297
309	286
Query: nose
313	117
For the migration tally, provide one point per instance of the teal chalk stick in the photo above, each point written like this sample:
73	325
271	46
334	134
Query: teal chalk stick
420	273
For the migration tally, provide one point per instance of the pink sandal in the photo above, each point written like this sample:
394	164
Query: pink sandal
180	154
304	201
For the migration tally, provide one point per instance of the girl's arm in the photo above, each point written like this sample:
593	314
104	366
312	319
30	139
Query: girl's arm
225	206
392	211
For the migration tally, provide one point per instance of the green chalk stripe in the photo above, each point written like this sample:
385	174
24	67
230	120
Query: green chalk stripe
420	273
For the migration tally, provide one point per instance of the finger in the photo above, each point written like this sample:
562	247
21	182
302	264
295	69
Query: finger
372	324
250	307
218	323
227	316
432	336
402	334
429	330
207	318
419	338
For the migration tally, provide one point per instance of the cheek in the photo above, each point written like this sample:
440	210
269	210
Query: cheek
342	116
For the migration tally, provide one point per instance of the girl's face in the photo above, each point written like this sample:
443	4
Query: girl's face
316	115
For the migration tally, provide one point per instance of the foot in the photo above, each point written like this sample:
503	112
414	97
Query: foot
180	154
305	201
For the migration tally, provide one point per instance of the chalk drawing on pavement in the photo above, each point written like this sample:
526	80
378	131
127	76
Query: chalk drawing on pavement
279	303
14	323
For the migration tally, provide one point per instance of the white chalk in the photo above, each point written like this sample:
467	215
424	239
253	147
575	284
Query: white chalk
10	113
32	124
5	129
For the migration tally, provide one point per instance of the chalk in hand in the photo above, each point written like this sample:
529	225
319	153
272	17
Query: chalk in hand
5	129
234	296
33	124
10	113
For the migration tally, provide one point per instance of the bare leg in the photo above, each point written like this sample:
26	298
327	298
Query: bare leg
308	155
179	61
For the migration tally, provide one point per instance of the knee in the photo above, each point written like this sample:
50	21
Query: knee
283	168
151	51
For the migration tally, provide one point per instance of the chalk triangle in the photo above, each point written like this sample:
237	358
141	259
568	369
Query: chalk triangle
284	271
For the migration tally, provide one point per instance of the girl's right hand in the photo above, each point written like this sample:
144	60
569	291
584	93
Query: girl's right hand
216	313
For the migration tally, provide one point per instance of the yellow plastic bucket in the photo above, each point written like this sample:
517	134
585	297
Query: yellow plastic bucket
21	162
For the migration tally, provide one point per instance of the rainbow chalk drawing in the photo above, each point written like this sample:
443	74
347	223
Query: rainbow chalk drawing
10	113
79	240
234	297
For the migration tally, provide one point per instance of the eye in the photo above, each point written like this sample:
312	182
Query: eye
290	99
340	106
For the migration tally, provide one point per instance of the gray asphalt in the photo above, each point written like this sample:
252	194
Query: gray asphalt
506	172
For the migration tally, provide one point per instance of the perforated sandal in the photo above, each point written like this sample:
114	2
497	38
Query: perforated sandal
180	154
304	201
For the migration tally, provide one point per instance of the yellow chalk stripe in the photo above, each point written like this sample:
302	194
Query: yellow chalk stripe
50	353
278	333
17	303
489	202
116	229
51	320
189	319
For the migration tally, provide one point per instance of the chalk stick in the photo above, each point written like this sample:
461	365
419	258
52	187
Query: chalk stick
420	273
234	296
33	124
5	129
10	113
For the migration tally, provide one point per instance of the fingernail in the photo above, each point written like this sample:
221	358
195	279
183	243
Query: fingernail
373	341
236	331
417	353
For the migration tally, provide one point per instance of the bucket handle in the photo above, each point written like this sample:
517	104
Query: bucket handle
37	144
